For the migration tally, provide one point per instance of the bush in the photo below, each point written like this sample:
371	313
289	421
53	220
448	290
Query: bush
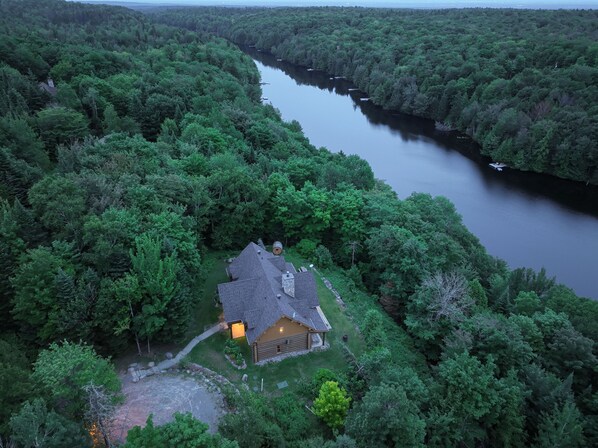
231	348
332	404
233	351
323	257
239	358
354	275
306	247
320	377
372	329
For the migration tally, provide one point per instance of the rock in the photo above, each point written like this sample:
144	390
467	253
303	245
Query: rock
169	355
151	364
135	376
195	367
133	366
131	369
244	378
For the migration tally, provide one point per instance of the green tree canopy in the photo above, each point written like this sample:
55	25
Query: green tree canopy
386	418
63	369
60	126
332	404
183	432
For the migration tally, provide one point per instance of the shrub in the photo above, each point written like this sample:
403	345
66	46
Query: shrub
306	247
320	377
332	404
323	257
233	351
354	275
372	329
231	348
239	358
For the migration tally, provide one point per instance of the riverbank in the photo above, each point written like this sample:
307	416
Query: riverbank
523	218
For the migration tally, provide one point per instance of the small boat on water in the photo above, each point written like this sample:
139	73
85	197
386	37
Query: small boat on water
352	89
310	69
331	78
364	99
497	166
339	77
279	60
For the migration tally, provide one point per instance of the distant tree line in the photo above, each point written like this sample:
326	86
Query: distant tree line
521	83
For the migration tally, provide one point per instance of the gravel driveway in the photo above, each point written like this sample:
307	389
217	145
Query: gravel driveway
162	396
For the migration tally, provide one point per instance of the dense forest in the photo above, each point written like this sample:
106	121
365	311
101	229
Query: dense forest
521	83
130	149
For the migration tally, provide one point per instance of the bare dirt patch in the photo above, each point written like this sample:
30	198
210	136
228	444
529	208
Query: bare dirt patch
163	396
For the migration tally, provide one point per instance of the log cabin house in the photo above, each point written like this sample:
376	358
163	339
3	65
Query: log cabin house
271	304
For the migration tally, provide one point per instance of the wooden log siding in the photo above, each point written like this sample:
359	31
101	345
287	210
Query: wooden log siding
289	328
288	344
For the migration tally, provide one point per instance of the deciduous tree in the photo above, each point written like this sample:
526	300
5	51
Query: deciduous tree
386	418
332	404
64	369
35	426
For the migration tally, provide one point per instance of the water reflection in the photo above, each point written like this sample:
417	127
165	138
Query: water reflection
528	219
573	195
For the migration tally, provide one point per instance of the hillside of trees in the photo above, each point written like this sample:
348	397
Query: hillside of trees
154	149
521	83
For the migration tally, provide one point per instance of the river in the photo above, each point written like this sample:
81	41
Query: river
527	219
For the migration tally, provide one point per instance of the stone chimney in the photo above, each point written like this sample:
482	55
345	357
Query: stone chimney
288	283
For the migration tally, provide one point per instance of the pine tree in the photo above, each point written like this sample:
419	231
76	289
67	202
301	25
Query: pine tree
562	428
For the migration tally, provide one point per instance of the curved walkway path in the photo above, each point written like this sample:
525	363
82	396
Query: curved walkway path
169	363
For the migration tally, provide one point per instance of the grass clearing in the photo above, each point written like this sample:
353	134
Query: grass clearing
295	371
299	370
358	302
206	312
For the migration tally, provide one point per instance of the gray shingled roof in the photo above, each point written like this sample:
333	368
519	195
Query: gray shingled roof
256	297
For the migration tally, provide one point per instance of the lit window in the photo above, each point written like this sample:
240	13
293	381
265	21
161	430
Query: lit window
238	330
281	329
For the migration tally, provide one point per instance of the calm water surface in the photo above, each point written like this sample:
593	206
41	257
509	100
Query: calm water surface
529	220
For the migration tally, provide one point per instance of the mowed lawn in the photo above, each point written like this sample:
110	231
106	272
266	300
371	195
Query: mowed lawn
294	371
207	311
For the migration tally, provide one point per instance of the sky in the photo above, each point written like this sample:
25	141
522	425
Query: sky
552	4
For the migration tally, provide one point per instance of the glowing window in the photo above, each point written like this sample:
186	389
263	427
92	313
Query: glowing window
281	329
238	330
